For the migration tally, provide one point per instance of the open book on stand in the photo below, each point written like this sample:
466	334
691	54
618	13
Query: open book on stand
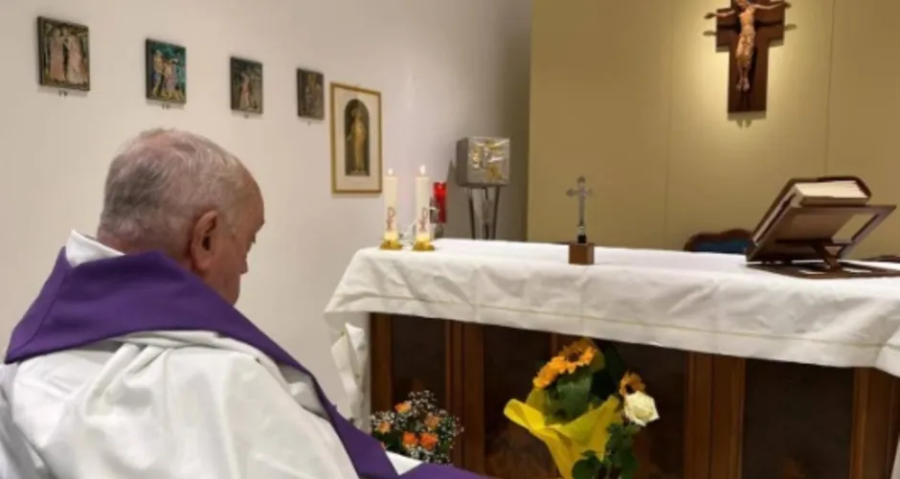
805	231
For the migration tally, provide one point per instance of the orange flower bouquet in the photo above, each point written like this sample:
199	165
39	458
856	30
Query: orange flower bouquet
586	408
418	429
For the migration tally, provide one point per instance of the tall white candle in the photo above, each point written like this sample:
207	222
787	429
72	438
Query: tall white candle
391	232
423	207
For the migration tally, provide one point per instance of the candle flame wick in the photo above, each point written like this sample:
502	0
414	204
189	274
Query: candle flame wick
422	170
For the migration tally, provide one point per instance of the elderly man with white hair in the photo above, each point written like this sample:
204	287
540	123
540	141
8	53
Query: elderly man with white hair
132	362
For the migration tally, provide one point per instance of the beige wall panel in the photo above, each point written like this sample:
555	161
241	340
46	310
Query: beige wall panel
724	170
600	108
633	95
864	120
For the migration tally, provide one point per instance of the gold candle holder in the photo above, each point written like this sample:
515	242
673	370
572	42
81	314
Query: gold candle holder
423	245
391	242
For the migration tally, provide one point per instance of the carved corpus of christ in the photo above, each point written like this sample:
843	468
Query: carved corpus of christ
747	29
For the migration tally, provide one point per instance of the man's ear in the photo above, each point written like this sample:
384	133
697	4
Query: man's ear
204	241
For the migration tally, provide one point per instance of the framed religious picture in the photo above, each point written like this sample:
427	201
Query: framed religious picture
310	94
246	86
355	140
166	72
64	55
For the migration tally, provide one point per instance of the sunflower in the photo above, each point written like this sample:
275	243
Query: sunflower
630	384
549	372
578	354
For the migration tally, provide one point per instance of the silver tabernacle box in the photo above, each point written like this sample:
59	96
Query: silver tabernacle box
482	161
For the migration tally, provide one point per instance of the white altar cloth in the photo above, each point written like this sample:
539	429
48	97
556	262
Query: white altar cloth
708	303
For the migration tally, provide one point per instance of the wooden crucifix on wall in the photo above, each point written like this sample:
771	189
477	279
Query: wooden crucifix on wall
747	29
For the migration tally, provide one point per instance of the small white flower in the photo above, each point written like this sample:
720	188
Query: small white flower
640	408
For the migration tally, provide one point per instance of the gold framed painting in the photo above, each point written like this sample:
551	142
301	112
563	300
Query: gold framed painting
64	54
356	165
246	86
310	94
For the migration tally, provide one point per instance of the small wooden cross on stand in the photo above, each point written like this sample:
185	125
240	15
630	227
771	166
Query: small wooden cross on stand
581	252
747	28
582	192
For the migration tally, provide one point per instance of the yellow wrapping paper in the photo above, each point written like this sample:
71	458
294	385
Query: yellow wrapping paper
566	442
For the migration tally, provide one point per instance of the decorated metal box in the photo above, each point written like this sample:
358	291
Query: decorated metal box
482	161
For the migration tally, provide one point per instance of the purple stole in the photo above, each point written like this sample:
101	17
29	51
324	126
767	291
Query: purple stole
114	297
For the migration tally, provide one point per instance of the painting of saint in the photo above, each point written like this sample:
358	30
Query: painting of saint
356	124
246	86
356	162
166	72
310	94
63	54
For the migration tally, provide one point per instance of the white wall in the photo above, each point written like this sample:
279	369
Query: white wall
446	69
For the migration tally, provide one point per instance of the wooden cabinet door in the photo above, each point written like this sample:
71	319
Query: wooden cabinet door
414	354
500	365
798	421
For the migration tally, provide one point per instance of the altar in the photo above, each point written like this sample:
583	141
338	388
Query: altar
756	375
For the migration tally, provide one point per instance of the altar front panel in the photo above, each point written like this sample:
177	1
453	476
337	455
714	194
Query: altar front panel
511	358
660	447
798	421
721	417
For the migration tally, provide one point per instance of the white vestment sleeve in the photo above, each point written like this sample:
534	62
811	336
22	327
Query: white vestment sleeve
15	456
186	413
350	354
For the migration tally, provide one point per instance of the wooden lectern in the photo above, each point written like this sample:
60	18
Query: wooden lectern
799	235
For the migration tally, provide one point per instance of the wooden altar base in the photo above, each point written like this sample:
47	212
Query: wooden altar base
722	417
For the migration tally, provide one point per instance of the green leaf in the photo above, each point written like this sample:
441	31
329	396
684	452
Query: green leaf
587	468
628	464
599	362
552	405
616	439
574	392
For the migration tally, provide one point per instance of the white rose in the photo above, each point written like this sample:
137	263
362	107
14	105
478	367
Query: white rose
640	408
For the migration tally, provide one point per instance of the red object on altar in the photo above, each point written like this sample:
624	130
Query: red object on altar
439	192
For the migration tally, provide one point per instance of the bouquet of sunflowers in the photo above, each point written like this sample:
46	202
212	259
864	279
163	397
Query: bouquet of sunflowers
586	408
417	428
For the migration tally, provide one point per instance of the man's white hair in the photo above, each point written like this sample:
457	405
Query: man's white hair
162	181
